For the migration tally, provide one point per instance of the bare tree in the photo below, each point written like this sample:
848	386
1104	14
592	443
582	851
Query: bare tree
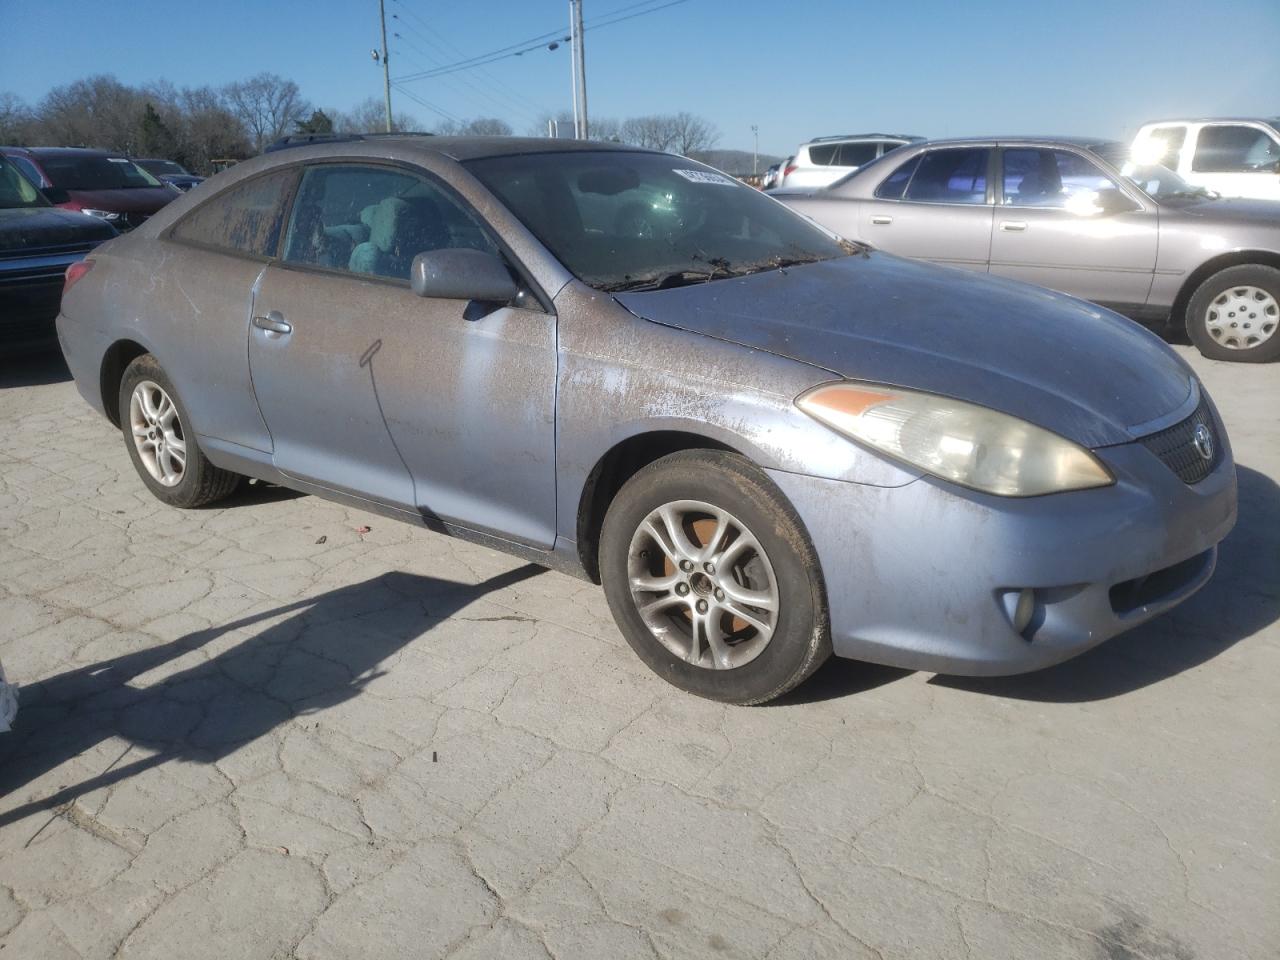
600	128
209	131
268	105
681	133
479	127
97	111
370	116
16	119
653	132
690	133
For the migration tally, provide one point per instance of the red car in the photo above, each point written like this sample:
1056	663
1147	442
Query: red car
96	182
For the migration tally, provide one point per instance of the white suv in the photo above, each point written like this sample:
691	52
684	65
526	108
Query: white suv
825	160
1236	158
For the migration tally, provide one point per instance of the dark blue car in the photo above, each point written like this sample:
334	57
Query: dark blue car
38	241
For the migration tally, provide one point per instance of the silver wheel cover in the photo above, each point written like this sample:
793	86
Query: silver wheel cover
703	584
157	433
1241	318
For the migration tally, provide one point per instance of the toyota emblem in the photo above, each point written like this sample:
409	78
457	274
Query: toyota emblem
1202	439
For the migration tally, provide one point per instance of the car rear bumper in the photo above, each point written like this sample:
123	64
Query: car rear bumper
30	290
927	576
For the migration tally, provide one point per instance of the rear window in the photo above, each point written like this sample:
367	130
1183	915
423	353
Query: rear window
951	176
856	154
893	186
823	155
72	172
243	219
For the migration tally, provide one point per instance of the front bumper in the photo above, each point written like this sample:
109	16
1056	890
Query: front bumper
926	576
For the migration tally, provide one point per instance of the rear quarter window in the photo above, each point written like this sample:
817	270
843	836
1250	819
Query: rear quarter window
243	219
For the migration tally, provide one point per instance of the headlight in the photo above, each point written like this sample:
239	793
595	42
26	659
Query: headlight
101	214
962	442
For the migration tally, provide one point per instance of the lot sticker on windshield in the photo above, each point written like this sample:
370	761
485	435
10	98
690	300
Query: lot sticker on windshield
705	176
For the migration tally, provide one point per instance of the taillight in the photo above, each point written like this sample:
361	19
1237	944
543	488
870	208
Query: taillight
74	273
791	168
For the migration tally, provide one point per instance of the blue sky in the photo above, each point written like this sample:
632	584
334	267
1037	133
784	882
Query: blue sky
797	70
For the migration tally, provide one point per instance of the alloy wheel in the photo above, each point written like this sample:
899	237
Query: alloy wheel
157	433
703	584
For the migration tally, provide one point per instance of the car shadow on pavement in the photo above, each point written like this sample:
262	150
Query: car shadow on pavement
33	369
307	656
1242	598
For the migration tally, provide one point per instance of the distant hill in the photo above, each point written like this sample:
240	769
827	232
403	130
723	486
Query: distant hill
734	161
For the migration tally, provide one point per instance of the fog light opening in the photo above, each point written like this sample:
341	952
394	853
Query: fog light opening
1024	610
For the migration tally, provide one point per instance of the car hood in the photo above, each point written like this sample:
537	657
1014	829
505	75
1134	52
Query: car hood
125	200
36	229
1066	365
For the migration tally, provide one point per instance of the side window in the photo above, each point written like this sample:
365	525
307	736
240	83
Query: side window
1171	140
824	155
856	154
1051	178
374	220
951	176
28	170
892	186
242	219
1224	148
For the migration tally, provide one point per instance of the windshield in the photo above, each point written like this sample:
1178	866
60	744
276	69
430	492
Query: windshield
79	172
16	190
1154	179
631	221
162	168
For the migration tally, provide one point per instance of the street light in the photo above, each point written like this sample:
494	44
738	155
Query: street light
755	150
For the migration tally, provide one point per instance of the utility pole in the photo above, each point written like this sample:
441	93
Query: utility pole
386	70
580	128
755	150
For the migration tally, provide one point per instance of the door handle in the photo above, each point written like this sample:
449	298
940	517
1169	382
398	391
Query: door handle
882	221
1013	226
273	322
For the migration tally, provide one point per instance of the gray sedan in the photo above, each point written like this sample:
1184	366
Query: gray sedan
1075	216
768	444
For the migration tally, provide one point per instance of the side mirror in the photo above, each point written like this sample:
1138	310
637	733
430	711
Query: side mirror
461	274
1110	200
55	194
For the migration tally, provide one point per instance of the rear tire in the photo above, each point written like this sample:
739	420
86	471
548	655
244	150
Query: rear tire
1235	315
735	608
161	443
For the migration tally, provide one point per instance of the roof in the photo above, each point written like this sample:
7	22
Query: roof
1273	121
464	148
865	136
71	152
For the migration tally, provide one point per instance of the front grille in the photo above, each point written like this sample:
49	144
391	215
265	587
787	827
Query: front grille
129	221
1177	448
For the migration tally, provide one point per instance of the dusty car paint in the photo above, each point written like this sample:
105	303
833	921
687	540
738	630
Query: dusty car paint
498	425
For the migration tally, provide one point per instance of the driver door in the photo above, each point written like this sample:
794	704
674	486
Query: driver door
418	404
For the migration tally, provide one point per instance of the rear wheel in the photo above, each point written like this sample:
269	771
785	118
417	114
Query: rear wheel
1235	314
712	580
160	442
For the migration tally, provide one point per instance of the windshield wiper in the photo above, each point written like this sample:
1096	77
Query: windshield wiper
663	281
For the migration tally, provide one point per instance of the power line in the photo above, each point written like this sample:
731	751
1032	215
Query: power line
432	35
426	103
525	46
491	92
472	91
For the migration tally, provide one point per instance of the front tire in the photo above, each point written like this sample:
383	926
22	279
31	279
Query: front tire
1235	315
161	443
712	579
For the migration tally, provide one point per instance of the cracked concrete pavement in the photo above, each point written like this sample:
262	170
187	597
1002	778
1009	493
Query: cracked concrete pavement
255	731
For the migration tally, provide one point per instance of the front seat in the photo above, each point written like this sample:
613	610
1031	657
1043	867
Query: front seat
399	229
